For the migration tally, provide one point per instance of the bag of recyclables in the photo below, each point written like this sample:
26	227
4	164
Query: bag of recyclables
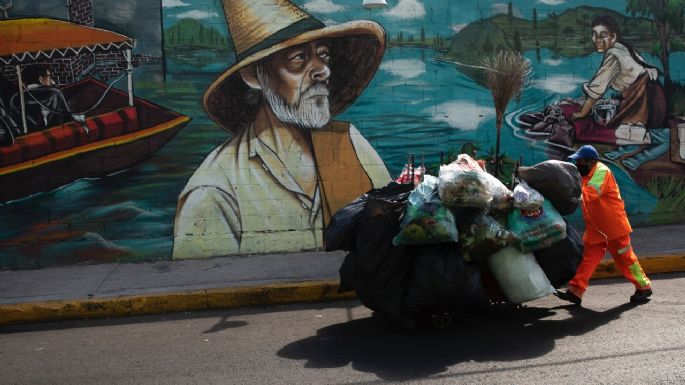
537	229
426	219
527	198
463	183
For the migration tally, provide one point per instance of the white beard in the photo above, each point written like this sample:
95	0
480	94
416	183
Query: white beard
311	111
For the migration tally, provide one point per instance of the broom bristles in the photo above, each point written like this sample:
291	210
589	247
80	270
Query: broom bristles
507	75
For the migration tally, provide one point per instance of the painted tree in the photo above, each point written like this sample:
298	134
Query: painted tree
535	20
668	20
423	35
6	6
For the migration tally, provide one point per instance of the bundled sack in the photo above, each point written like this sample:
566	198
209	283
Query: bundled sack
481	235
539	229
560	261
426	219
559	182
339	234
502	197
519	276
527	198
380	268
463	183
441	281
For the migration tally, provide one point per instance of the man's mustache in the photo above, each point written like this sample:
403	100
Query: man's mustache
317	89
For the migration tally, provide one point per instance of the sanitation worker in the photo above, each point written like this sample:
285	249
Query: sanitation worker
606	228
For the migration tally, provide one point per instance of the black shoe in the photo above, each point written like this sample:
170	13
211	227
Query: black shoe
641	296
568	296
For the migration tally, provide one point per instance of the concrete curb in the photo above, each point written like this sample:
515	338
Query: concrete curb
221	298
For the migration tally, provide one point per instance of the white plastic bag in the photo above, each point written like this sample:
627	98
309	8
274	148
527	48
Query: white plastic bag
527	198
463	183
502	197
519	275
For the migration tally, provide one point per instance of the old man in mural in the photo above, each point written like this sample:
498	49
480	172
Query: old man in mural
274	185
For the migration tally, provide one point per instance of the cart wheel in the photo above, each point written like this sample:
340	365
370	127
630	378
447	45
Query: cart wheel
442	320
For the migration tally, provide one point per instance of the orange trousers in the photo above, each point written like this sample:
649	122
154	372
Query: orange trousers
625	260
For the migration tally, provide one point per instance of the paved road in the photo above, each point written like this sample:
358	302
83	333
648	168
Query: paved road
607	341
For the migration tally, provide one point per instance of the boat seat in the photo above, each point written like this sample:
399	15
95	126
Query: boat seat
70	136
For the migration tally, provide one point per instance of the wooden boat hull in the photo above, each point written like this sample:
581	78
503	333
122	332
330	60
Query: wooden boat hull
96	158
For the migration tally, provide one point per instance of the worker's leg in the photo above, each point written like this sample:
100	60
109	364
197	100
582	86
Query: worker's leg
592	255
627	262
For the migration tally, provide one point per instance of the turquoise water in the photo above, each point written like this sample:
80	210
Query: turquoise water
415	103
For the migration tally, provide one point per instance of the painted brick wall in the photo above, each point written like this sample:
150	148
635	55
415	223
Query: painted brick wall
81	12
426	97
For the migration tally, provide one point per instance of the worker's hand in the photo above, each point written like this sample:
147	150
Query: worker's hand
653	73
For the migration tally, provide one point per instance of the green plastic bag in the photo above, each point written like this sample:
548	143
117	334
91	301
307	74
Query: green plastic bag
426	219
537	231
480	236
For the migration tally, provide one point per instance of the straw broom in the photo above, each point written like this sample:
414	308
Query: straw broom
507	75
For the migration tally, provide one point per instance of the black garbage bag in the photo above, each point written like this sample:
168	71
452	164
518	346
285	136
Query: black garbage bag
441	281
560	261
379	268
339	234
557	181
346	272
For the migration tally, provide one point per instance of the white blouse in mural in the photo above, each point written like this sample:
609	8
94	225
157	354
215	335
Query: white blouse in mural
618	71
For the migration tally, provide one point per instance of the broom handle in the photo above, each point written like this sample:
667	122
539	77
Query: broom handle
497	157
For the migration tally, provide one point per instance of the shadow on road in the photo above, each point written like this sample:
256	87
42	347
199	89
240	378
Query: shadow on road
397	355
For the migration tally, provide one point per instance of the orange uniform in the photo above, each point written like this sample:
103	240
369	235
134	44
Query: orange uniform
606	228
603	209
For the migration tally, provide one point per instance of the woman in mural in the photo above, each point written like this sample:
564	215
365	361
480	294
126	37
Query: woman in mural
640	106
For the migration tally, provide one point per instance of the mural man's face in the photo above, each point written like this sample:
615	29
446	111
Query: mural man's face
602	38
295	84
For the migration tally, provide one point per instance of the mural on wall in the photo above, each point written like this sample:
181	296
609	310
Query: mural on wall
254	171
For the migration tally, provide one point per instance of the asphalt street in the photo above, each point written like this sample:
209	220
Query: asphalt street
607	341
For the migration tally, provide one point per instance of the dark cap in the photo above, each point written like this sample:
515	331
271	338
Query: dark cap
585	152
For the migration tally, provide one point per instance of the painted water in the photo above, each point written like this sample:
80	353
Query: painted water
415	104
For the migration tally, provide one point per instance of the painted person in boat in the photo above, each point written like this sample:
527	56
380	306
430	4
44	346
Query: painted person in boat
289	166
45	103
633	118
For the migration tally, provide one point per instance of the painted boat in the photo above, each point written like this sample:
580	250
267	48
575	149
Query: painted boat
119	132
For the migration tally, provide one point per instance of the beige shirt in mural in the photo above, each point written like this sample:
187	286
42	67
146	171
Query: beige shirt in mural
242	199
618	70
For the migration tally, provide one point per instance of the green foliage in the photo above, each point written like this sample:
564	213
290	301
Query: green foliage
189	32
507	166
676	97
663	11
487	45
670	192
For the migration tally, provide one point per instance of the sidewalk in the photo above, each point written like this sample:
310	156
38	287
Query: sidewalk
111	290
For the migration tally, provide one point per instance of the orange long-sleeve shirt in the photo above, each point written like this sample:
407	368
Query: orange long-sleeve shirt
603	209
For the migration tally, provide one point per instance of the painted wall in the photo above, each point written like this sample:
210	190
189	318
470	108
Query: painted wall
236	180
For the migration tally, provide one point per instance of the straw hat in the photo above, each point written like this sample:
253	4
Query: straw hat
259	28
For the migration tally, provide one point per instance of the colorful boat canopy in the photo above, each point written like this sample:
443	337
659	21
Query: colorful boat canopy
29	40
